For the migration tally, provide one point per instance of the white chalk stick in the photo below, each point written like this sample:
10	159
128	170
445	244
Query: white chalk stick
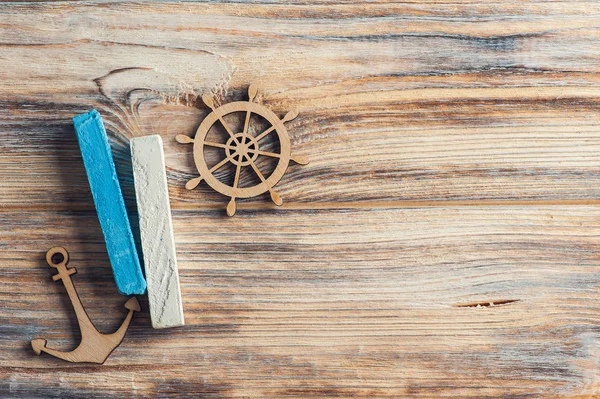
156	232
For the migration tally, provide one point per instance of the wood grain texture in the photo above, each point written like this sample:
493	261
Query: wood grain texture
443	241
156	232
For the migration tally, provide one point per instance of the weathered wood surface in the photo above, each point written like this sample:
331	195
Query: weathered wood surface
455	162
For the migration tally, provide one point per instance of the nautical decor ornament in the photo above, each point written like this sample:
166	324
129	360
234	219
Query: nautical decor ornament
156	231
242	149
110	204
95	347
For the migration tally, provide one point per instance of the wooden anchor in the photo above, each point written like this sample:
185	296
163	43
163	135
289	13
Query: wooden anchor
95	347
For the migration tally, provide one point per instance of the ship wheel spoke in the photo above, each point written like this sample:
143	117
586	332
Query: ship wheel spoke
266	153
257	171
236	179
252	92
263	134
219	145
246	124
209	102
274	196
226	126
220	164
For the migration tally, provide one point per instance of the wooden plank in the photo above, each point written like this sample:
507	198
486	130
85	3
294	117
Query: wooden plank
398	102
427	152
377	303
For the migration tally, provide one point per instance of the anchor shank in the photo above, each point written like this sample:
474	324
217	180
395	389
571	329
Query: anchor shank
82	317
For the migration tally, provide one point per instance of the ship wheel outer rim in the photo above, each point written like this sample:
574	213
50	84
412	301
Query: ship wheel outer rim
284	143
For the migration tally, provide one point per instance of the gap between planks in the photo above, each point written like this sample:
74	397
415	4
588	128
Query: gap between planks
325	205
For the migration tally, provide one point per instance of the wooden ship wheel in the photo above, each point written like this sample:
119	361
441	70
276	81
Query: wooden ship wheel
242	149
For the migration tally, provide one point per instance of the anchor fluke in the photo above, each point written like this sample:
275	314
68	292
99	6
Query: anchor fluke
133	304
38	345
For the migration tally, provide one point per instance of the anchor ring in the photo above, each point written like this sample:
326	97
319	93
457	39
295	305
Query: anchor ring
57	256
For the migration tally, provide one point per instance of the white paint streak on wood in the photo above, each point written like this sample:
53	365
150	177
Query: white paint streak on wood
156	230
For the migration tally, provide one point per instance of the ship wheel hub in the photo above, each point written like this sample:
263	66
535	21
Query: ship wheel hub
241	149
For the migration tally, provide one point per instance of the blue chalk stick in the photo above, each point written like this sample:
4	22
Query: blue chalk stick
98	161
